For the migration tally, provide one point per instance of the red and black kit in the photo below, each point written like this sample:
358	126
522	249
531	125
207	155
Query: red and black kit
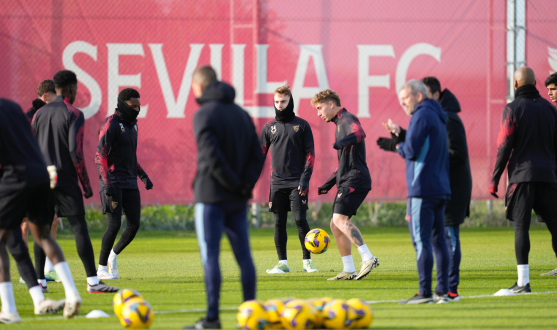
292	159
352	176
527	142
118	169
59	128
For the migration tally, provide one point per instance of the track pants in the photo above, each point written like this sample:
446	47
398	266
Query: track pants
452	235
210	221
426	222
16	247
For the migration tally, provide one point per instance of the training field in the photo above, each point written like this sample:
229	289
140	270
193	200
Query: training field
165	267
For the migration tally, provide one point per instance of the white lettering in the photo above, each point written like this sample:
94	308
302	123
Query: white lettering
238	72
216	59
117	80
262	86
89	82
409	55
176	107
365	81
298	89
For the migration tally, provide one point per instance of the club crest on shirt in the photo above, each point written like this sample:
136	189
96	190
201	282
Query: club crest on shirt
304	201
340	194
274	129
296	128
270	204
122	127
114	205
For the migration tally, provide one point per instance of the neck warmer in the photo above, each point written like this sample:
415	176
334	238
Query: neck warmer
287	114
125	112
527	91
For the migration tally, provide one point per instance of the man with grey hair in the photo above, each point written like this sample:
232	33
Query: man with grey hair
425	148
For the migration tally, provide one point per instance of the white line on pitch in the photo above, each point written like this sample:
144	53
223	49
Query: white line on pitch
199	310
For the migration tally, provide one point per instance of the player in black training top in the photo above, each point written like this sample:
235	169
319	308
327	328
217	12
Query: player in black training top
46	92
291	143
527	147
59	128
118	171
352	180
25	191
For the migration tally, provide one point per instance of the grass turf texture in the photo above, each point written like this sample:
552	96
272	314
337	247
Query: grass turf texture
165	267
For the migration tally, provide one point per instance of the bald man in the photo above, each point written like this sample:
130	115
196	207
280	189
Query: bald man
527	146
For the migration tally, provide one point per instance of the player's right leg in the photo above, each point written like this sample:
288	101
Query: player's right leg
279	204
546	209
299	206
441	251
344	246
9	312
209	224
49	272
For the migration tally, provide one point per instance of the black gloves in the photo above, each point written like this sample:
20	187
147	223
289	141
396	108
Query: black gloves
390	144
110	191
304	187
88	192
336	145
148	184
386	144
322	190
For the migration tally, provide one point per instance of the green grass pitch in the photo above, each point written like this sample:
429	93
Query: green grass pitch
165	267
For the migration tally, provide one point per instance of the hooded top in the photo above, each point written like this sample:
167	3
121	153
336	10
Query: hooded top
116	156
457	208
425	151
229	159
36	105
292	150
528	139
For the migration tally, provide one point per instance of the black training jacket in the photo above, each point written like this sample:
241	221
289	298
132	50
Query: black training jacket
458	207
21	162
352	170
528	139
116	156
292	151
59	129
229	159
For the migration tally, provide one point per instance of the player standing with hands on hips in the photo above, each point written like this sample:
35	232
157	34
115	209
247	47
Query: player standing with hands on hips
118	171
291	142
352	180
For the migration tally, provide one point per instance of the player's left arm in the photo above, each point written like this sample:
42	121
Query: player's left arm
355	136
77	128
144	177
309	150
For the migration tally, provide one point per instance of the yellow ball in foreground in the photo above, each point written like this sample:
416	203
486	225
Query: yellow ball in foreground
297	314
274	310
252	315
338	315
137	314
121	297
363	311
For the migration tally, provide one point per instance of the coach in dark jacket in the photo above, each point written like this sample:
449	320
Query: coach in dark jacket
458	208
229	162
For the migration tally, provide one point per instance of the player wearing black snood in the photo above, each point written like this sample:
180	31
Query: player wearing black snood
118	168
291	143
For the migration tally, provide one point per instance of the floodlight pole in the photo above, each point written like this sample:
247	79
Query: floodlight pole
516	41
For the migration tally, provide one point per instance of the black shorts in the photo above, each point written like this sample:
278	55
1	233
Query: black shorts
113	204
68	201
286	199
35	203
348	200
521	198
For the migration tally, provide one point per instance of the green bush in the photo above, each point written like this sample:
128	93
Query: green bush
370	214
